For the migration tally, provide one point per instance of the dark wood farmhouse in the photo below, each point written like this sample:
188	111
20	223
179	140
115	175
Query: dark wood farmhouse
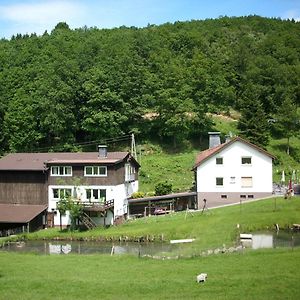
33	183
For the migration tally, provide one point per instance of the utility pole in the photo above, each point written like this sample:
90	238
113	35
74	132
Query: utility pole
133	147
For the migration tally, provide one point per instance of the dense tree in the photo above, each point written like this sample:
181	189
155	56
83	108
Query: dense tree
287	121
253	123
74	85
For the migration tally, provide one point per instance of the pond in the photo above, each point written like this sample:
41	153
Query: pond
259	240
267	239
89	247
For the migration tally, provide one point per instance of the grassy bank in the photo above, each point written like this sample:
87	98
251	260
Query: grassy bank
262	274
175	168
249	275
160	164
211	229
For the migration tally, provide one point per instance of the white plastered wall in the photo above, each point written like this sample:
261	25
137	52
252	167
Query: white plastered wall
260	170
118	193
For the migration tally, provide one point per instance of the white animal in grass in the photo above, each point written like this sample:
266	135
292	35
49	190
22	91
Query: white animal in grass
201	277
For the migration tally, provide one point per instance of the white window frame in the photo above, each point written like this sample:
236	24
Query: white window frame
98	199
246	164
61	171
129	172
59	192
246	186
97	173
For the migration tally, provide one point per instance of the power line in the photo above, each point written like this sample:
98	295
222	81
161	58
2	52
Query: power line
87	143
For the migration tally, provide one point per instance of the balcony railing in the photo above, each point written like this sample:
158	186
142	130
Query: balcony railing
97	206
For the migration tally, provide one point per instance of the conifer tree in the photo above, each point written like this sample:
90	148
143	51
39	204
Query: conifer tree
287	121
253	124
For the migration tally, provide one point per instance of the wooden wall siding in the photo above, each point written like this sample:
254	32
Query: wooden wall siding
23	187
115	176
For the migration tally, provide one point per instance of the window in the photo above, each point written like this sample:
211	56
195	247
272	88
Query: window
246	160
219	161
61	193
96	194
129	172
246	182
250	196
243	196
95	171
232	179
223	196
61	171
219	181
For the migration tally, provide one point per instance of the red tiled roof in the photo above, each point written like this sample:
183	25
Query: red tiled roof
37	161
19	213
207	153
204	155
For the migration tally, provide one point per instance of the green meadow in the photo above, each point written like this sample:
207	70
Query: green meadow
211	229
268	274
248	274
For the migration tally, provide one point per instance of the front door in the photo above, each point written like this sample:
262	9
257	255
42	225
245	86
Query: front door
50	219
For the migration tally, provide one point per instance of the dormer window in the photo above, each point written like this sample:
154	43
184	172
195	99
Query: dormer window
246	160
61	171
97	171
129	172
219	160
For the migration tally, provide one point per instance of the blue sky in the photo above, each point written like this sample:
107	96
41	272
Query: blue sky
30	16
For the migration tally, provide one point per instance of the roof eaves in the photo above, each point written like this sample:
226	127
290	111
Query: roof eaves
220	148
225	145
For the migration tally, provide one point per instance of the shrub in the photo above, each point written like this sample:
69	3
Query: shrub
138	195
163	188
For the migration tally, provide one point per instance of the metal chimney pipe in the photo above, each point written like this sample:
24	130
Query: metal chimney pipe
214	139
102	151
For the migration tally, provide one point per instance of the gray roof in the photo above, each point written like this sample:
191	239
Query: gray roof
162	197
38	161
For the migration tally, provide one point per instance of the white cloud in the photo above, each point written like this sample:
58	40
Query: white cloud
292	14
41	15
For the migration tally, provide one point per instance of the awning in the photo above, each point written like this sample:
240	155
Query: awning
19	213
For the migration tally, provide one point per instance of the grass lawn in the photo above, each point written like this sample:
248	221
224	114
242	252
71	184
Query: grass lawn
269	274
251	274
211	229
161	166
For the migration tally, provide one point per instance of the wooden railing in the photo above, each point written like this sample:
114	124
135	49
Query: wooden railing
87	221
98	205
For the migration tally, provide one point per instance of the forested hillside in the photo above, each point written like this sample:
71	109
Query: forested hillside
72	86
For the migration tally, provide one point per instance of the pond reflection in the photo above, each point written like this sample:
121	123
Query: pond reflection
258	240
272	240
79	247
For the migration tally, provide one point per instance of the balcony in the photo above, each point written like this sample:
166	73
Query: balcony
97	206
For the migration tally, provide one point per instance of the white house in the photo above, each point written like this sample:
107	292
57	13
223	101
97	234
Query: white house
234	170
105	182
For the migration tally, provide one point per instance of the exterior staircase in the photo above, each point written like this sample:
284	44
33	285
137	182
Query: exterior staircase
87	221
